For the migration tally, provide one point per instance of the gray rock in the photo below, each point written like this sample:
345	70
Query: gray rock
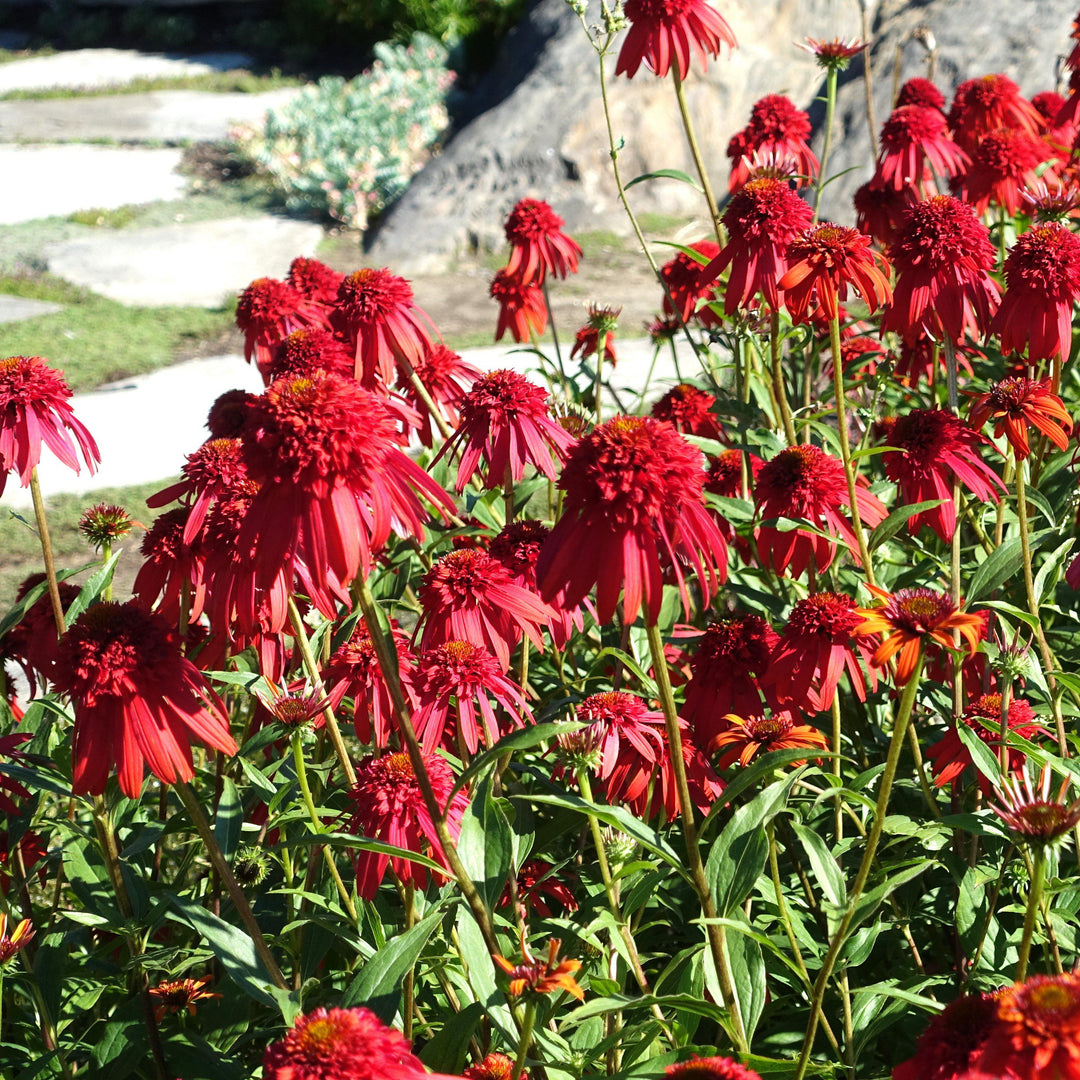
84	68
17	308
1021	40
199	265
542	133
161	115
47	181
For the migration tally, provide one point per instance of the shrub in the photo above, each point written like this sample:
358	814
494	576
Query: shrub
349	149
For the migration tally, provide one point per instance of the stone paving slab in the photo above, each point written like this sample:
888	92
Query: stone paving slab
200	264
47	181
93	68
16	308
164	115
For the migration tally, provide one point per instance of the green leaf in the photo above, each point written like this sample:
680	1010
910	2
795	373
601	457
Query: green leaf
485	844
981	754
523	739
1002	564
378	985
896	521
748	976
446	1052
667	174
94	587
229	818
829	875
1050	571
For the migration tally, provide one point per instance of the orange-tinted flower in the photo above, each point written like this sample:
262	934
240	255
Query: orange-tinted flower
912	620
1016	402
534	976
1034	815
827	260
953	1041
19	938
538	245
666	32
762	734
34	409
495	1066
779	129
913	138
1036	1033
522	308
181	995
712	1068
1042	279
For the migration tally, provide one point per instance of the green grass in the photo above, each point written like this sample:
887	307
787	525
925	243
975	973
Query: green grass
239	81
96	340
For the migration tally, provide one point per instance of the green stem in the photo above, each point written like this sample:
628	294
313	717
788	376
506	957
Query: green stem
714	931
695	153
896	744
524	1039
47	552
784	417
1038	875
830	109
555	340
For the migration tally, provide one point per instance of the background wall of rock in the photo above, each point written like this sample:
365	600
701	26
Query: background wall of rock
535	125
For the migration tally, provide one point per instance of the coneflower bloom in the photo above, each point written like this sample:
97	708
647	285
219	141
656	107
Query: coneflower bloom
229	413
1036	1032
921	92
469	596
505	423
171	568
1016	402
332	487
803	482
837	53
456	683
267	312
817	645
18	939
913	139
879	210
388	806
933	448
533	976
667	32
746	737
634	507
682	276
538	882
597	336
824	263
728	668
776	127
690	411
1033	814
10	788
181	995
377	311
446	378
989	103
32	641
762	218
913	620
1053	204
105	523
305	351
330	1044
1042	283
950	756
712	1068
1002	166
137	700
943	257
953	1041
315	280
494	1066
538	246
1049	104
522	308
34	409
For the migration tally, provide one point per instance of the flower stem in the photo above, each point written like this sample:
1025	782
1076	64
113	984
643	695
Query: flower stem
46	552
845	446
899	735
714	931
555	340
695	153
779	391
1038	876
224	872
830	109
868	83
524	1039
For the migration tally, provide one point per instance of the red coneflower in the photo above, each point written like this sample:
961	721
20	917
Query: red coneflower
305	351
10	788
602	324
953	1041
776	127
267	312
538	246
1053	204
1016	402
137	700
536	884
921	92
522	308
1036	1032
666	32
712	1068
989	103
469	596
746	737
388	806
1034	815
459	679
446	378
762	218
229	413
505	422
331	1044
920	358
688	409
880	209
933	447
912	139
315	280
181	995
34	409
377	312
803	482
943	257
1002	166
951	757
827	260
629	740
634	506
1042	282
171	567
837	53
911	621
682	276
18	939
495	1066
816	646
